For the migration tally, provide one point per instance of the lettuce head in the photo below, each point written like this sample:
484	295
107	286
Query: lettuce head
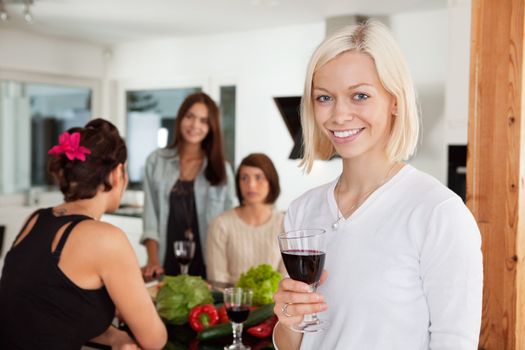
179	295
263	280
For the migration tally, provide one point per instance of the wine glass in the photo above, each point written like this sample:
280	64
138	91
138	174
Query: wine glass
303	253
184	251
237	302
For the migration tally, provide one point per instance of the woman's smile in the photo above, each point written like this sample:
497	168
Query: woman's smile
348	135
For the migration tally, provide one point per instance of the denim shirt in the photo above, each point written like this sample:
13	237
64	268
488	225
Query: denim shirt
161	172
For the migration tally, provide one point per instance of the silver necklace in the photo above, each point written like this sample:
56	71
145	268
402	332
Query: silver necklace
360	200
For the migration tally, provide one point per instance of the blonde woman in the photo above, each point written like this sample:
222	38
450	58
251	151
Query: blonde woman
403	259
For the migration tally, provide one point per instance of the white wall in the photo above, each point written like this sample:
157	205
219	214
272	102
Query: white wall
458	73
437	46
29	52
424	41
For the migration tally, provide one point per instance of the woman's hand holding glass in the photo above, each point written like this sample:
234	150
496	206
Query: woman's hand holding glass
294	300
304	253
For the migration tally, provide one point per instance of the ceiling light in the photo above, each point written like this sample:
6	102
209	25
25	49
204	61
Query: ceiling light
28	16
4	16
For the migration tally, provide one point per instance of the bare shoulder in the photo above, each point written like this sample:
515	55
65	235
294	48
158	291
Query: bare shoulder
101	236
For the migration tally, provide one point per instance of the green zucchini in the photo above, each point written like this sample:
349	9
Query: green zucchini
225	329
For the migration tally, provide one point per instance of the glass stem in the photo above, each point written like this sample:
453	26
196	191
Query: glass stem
184	269
311	318
237	333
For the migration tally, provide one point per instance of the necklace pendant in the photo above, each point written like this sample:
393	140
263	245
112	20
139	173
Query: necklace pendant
337	223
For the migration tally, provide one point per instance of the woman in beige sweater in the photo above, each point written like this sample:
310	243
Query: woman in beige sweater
246	236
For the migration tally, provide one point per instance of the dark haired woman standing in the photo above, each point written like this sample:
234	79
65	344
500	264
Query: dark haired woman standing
246	236
67	271
185	186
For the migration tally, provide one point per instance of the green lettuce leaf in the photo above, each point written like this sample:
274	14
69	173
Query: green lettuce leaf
263	280
179	295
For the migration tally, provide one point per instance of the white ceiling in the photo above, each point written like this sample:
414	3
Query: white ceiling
114	21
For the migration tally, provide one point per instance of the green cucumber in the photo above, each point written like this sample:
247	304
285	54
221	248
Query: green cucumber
225	329
257	316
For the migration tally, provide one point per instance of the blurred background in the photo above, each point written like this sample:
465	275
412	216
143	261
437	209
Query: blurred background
63	62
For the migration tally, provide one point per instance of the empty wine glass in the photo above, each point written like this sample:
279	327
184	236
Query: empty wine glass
184	252
303	253
237	302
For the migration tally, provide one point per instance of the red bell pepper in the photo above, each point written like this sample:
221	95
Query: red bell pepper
223	315
263	329
203	316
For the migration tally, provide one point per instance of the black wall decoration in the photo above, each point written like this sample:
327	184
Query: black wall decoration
289	108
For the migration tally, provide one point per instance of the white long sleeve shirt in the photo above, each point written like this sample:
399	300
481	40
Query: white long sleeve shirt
404	271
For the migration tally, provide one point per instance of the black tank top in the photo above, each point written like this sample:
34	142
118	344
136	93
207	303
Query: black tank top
40	307
183	216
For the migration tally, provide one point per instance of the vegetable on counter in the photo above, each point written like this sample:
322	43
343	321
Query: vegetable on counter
202	317
223	315
225	329
263	280
179	295
263	329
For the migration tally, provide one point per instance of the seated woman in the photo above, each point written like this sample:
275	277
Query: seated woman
246	236
67	271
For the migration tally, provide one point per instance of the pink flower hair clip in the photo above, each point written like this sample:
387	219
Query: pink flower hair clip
70	145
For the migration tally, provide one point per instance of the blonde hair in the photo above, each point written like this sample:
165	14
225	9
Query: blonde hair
375	40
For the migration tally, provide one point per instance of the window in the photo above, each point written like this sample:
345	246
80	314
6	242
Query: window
32	115
227	105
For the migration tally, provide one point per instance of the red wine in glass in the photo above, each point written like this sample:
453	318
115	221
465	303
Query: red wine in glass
184	252
304	254
237	302
305	265
238	314
183	259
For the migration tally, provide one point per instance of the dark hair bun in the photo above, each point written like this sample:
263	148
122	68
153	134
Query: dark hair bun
82	179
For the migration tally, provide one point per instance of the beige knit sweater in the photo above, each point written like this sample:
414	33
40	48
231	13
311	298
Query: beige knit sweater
233	246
